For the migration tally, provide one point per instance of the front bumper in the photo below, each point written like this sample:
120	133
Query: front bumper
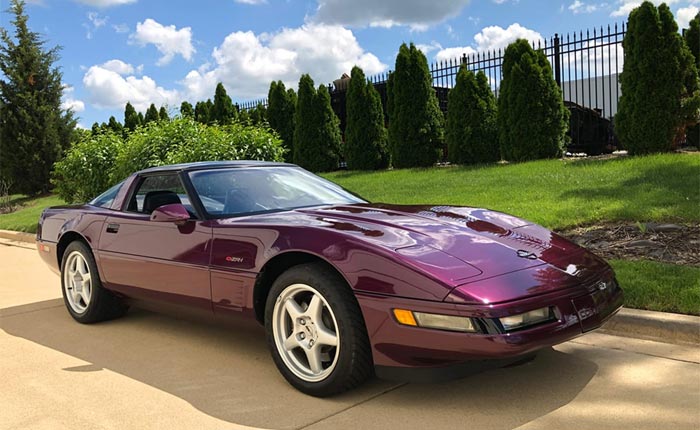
402	350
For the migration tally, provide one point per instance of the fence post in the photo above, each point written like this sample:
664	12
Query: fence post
557	60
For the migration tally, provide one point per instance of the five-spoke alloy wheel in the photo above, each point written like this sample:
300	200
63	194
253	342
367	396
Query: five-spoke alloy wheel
316	331
85	299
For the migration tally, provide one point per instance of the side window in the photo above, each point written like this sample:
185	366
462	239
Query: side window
156	191
105	199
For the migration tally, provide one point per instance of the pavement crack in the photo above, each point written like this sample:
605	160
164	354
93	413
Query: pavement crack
388	390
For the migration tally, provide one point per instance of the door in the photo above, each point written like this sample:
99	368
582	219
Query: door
157	260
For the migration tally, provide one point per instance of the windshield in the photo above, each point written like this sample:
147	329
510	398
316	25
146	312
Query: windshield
237	191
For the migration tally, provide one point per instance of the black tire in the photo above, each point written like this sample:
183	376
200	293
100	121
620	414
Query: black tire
354	358
103	304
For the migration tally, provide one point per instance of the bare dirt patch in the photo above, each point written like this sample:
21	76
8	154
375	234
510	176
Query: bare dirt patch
667	243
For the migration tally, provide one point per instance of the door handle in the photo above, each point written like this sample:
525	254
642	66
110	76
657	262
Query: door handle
112	228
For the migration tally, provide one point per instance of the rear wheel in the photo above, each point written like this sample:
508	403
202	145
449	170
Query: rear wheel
316	332
85	298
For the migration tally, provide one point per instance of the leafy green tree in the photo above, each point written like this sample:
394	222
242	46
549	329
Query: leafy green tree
186	110
471	120
692	39
223	112
163	114
416	124
365	135
131	118
34	129
317	129
658	82
532	119
280	114
152	114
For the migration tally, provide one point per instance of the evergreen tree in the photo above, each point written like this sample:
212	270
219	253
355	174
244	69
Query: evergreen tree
141	118
658	82
365	134
280	114
471	120
186	110
163	114
96	129
131	118
115	125
201	112
692	39
34	130
151	114
532	119
258	116
317	129
416	124
223	112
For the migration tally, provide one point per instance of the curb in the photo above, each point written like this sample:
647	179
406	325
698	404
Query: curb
657	326
18	236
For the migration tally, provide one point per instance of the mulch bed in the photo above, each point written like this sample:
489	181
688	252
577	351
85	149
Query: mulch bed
667	243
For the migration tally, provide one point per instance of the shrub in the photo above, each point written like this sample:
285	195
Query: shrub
471	120
316	129
233	142
656	83
365	134
84	172
416	123
186	140
532	119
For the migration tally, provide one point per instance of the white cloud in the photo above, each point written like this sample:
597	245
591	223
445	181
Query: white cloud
105	3
580	7
427	48
418	14
109	89
68	102
496	37
454	53
246	63
95	21
118	66
624	7
488	39
685	14
167	39
121	28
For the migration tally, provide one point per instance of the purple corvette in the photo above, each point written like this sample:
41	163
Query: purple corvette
345	288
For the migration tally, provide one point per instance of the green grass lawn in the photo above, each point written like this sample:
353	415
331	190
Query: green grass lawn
658	286
554	193
26	218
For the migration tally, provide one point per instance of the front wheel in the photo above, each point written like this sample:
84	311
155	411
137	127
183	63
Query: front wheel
316	332
85	298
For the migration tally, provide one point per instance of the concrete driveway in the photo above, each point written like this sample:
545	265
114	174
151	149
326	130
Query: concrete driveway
149	370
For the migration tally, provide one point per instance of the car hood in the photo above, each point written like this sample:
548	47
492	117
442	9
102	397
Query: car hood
487	243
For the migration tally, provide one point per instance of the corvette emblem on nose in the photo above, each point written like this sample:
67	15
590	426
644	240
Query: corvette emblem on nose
527	254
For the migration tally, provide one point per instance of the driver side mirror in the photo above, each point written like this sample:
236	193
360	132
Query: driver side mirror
174	212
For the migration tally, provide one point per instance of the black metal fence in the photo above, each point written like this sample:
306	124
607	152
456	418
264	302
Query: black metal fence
586	67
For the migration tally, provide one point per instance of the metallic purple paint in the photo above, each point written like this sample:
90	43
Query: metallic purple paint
448	260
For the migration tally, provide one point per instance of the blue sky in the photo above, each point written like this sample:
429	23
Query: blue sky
146	51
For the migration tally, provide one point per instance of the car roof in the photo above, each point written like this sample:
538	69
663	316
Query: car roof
201	165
